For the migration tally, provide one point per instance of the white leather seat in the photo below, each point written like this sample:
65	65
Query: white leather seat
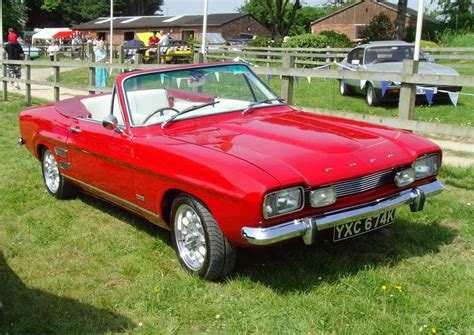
143	103
99	107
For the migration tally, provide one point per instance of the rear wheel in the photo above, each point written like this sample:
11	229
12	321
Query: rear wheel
371	96
54	181
200	245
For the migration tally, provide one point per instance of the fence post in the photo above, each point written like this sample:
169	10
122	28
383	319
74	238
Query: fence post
5	81
56	78
198	58
288	62
91	69
28	77
406	105
121	54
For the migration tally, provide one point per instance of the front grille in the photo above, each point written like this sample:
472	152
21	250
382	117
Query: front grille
363	184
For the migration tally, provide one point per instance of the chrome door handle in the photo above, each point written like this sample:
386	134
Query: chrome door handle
74	130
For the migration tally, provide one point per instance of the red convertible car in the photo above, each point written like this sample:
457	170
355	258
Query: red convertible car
210	153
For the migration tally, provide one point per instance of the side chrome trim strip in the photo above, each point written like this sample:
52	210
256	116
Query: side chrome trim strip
308	226
149	215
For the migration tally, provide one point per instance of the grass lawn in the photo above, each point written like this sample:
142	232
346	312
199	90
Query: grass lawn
84	266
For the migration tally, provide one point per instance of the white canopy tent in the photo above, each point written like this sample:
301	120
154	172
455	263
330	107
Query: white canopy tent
47	33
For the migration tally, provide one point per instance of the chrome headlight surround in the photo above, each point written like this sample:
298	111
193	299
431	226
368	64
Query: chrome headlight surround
283	202
427	166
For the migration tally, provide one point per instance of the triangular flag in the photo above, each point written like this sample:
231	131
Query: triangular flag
309	80
178	82
325	67
429	95
362	84
170	81
281	77
297	79
384	87
454	96
269	76
342	68
162	78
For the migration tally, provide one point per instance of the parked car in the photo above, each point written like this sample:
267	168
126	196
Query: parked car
210	153
177	51
32	51
388	56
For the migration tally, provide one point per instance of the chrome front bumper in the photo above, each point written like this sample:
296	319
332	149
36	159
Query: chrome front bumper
308	226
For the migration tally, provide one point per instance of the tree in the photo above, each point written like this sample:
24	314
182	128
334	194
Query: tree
457	14
380	28
278	15
14	15
401	15
305	16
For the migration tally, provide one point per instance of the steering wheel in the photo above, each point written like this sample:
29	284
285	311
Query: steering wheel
160	110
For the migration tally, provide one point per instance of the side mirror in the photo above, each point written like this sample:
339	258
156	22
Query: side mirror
110	122
355	62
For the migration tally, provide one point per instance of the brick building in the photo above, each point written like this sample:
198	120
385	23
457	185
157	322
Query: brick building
352	19
182	27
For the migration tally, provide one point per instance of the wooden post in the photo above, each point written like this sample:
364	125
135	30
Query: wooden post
198	58
138	58
28	77
82	51
406	105
288	62
56	79
5	81
91	69
121	54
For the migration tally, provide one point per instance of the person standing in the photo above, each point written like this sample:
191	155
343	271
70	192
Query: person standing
153	43
14	52
52	50
12	37
101	74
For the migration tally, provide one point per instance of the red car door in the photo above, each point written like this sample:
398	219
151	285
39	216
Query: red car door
101	159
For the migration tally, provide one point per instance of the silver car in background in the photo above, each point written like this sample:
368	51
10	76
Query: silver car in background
388	56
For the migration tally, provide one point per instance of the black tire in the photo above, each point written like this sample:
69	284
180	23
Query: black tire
220	255
371	96
53	180
344	89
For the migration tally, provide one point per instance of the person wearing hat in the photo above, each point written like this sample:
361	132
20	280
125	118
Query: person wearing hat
14	52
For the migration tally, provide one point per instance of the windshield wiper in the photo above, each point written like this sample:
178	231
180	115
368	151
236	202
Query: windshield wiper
187	110
266	101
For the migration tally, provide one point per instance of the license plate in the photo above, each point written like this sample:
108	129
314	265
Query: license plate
359	227
420	90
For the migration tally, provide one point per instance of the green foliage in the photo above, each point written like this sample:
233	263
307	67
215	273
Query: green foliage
307	41
263	41
14	15
458	14
277	15
337	40
305	16
380	28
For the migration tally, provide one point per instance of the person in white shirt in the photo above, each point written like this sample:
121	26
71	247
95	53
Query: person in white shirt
52	50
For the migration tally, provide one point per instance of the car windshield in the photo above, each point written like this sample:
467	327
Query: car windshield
387	54
194	92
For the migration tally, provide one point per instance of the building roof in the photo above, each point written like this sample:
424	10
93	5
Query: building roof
158	22
410	12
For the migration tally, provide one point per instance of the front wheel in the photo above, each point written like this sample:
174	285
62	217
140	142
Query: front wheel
344	89
54	181
200	245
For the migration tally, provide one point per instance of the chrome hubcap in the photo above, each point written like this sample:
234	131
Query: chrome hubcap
51	172
370	98
190	237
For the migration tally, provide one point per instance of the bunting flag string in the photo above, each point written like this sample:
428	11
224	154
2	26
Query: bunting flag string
269	76
309	80
362	84
217	76
240	59
384	84
454	96
297	79
162	78
429	95
178	82
343	67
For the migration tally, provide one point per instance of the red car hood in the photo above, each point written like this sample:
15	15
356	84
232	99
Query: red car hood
297	147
